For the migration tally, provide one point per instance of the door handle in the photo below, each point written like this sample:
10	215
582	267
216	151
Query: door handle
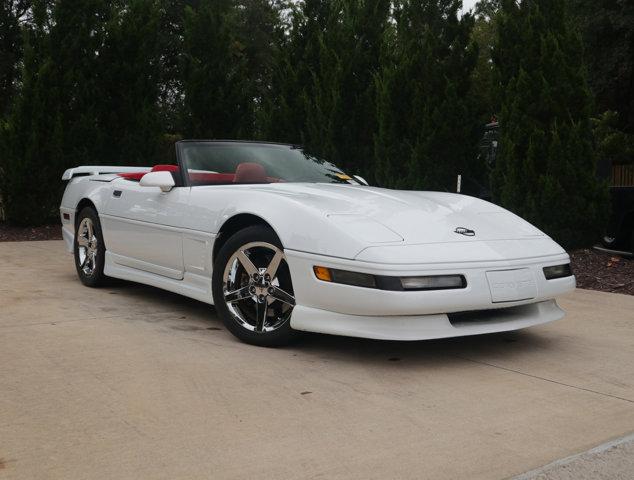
116	193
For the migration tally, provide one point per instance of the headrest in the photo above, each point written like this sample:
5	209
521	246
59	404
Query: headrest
250	173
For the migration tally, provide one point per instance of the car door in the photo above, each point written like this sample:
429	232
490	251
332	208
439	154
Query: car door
143	227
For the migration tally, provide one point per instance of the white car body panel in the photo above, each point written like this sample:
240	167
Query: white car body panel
166	239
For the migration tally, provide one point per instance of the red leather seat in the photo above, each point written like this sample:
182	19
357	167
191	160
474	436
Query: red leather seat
136	176
165	168
250	173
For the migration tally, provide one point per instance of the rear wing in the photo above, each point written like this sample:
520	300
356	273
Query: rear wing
86	170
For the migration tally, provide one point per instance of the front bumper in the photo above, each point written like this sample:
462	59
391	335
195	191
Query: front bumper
425	327
416	315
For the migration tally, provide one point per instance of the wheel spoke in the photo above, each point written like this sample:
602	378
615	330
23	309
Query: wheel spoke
82	242
246	263
89	229
237	295
261	311
279	294
275	263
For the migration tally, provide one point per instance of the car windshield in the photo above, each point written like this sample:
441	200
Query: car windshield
222	163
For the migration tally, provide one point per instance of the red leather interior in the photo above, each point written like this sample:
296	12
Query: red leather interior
245	173
202	178
132	175
165	168
250	173
156	168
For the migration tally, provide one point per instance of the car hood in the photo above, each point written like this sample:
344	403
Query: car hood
377	215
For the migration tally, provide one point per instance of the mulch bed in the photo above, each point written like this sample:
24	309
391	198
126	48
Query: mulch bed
10	233
594	270
603	271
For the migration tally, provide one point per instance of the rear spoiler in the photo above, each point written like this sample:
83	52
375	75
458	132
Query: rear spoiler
86	170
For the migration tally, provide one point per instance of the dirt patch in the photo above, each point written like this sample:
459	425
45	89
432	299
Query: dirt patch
9	233
604	272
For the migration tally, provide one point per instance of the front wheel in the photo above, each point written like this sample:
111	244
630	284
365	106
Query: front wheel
252	288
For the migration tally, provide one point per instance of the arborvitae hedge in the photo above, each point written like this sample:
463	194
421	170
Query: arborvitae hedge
545	168
384	88
427	124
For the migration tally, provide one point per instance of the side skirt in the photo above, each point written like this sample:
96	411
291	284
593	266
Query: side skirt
193	286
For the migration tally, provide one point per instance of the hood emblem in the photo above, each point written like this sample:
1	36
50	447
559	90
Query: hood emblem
465	231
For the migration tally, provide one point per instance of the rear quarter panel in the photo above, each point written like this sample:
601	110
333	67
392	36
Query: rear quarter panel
77	189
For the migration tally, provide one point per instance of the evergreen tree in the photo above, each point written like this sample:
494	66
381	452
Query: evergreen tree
284	113
341	110
10	48
30	139
545	170
215	84
76	44
428	128
483	87
128	103
54	123
261	33
323	93
170	82
607	29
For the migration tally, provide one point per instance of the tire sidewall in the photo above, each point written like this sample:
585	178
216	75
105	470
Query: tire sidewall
258	233
97	278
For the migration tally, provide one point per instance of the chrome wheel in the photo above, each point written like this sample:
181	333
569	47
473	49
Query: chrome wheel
87	246
257	288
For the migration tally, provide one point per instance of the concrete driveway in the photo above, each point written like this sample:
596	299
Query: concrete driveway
130	382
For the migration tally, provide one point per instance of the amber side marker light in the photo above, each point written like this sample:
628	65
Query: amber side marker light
322	273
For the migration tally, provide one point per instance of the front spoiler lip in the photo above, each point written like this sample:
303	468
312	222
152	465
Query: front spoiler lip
418	327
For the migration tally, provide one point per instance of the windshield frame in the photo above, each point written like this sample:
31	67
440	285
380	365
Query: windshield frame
180	145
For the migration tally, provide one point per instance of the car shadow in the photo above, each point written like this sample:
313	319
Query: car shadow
474	348
199	316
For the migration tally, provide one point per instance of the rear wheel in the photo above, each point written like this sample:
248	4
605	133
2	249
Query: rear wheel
252	287
89	248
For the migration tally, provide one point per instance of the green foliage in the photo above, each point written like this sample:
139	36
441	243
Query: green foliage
484	89
396	90
10	49
215	82
128	113
545	170
324	91
30	139
285	110
614	147
607	28
89	96
427	124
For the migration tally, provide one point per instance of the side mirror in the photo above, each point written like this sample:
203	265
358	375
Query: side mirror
361	180
163	180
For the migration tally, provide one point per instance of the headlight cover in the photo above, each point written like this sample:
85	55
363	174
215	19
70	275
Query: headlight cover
557	271
381	282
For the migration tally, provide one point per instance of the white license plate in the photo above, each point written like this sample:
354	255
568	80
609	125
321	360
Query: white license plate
511	285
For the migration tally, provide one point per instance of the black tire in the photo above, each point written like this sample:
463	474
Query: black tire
283	333
613	243
90	273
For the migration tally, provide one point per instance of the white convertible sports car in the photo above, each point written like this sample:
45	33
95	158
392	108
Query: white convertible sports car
280	241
